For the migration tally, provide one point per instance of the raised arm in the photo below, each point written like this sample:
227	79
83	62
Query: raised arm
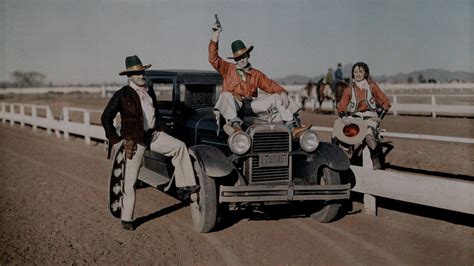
214	59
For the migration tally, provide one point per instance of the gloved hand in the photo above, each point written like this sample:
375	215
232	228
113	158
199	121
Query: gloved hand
284	99
130	148
216	30
382	114
114	140
342	114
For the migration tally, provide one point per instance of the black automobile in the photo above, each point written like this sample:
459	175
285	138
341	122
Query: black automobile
263	165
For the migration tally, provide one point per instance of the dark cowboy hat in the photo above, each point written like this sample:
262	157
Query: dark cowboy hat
238	49
133	64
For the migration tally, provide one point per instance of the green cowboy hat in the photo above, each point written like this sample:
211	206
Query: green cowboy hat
133	64
238	49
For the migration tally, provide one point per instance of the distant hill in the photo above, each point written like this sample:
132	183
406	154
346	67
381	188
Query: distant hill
418	76
438	75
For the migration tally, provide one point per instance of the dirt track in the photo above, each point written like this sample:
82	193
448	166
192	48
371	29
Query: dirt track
53	210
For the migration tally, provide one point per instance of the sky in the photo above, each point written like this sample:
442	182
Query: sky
86	41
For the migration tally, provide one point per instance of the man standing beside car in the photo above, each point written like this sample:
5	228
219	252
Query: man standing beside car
139	128
240	85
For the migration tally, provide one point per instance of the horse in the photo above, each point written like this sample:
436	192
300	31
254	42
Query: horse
308	93
324	92
320	91
339	89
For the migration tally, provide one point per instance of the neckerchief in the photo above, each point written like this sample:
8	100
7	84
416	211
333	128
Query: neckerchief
241	71
142	93
363	84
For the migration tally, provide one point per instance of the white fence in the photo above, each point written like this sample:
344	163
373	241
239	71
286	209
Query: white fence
444	193
432	191
44	90
27	114
415	87
393	90
432	107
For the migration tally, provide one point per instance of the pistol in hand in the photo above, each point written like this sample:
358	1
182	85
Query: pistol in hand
217	24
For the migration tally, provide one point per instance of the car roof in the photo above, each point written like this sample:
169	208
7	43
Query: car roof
188	76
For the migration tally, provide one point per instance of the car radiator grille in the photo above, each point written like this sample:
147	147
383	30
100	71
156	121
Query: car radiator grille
269	142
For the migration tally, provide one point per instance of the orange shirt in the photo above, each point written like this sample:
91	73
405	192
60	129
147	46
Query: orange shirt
234	84
379	96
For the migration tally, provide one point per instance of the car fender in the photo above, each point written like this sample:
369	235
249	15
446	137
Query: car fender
326	154
332	156
213	161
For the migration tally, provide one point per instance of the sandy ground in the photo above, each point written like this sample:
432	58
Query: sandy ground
53	209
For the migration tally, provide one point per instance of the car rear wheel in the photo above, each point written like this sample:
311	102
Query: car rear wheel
329	210
204	208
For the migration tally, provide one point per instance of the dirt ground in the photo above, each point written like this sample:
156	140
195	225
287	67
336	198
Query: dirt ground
53	209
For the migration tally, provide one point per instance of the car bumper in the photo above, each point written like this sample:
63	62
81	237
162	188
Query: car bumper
287	192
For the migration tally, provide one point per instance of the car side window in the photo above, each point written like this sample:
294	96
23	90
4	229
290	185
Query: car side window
163	91
199	95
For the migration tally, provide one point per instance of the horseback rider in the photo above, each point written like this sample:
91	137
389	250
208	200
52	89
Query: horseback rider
338	76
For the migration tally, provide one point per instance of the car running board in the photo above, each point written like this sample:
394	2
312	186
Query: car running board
152	178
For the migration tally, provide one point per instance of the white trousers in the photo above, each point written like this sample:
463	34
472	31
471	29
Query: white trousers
168	146
264	106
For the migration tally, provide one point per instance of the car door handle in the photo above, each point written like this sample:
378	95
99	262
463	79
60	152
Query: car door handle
169	123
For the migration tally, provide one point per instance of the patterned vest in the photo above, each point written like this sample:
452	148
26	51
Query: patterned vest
369	98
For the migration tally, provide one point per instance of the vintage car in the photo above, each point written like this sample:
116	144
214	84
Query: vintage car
262	165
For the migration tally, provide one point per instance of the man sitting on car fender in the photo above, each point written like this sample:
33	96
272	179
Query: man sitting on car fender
240	85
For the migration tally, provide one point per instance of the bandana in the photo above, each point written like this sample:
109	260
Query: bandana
142	93
243	70
363	84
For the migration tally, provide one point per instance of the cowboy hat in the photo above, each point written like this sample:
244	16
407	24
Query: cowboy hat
133	64
350	130
238	49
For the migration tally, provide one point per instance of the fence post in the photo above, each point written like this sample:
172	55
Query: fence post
4	120
12	112
433	105
87	120
65	121
395	103
103	91
34	114
22	115
370	204
366	160
49	116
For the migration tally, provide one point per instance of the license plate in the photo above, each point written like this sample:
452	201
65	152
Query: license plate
272	159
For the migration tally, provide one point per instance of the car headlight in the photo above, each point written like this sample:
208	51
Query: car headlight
239	142
309	141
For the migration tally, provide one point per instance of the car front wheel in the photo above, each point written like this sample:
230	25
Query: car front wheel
329	210
204	208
